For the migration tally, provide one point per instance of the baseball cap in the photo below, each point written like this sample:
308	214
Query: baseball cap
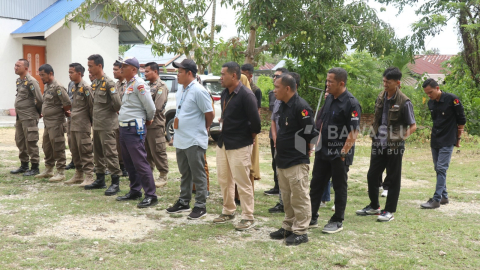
186	64
132	61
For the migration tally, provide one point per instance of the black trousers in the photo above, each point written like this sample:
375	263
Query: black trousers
323	169
274	166
391	160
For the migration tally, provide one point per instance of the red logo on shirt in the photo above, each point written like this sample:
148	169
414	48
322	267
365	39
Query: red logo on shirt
304	113
456	101
354	114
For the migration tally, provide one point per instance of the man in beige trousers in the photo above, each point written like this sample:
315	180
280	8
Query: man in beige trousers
240	123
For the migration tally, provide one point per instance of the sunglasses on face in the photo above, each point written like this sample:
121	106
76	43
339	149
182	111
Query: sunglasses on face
275	76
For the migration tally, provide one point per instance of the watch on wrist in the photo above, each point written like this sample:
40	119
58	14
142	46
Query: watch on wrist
343	155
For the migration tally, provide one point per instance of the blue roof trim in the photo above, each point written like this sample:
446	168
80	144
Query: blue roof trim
49	17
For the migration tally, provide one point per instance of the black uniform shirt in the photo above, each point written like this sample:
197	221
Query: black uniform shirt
339	116
240	118
447	114
295	134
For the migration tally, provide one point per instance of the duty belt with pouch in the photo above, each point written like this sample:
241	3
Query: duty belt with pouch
139	125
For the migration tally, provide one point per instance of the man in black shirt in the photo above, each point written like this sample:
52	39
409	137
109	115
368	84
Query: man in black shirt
272	105
448	122
240	123
293	146
340	124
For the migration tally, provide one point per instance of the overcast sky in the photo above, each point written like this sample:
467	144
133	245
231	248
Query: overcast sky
447	41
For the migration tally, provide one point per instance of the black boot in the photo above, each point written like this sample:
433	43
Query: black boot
99	182
33	171
23	168
70	166
114	188
124	171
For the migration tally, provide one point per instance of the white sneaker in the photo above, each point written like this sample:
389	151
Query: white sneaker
385	216
385	193
323	205
333	208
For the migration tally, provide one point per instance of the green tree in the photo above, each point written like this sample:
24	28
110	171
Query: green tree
303	28
436	13
181	22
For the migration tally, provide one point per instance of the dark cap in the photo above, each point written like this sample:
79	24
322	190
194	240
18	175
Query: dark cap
186	64
132	61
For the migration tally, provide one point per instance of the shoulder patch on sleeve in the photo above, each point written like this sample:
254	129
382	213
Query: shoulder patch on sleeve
141	89
59	92
456	102
112	90
32	87
304	112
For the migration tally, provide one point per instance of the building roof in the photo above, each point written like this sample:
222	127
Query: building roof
53	18
48	18
144	54
430	64
267	66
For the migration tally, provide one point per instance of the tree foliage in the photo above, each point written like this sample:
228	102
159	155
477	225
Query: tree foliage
436	13
322	29
182	23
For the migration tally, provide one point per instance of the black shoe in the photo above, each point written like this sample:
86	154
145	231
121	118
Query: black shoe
273	191
33	171
197	213
114	188
280	234
70	166
130	196
277	209
124	171
23	168
178	207
237	202
148	202
99	182
295	239
313	224
442	201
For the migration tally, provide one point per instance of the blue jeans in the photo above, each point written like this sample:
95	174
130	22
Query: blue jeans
441	161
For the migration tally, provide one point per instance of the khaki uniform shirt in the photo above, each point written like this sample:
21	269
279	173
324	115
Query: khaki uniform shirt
29	100
55	97
119	87
106	104
159	92
82	108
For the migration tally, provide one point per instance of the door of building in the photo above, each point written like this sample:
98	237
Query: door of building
36	56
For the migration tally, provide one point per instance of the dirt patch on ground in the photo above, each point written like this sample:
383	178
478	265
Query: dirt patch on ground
113	227
454	208
408	183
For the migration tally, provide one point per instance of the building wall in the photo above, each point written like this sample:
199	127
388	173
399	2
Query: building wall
10	51
95	40
59	54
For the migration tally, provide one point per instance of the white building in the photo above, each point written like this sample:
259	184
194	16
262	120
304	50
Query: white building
35	30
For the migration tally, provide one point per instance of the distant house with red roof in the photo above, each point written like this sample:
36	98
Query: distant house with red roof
430	66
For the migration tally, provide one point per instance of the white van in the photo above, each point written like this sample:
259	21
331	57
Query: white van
210	82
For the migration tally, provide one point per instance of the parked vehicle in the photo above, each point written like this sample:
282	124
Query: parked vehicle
210	82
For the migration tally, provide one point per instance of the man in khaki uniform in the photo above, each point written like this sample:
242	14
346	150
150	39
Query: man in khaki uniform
71	85
80	127
155	143
55	107
106	104
28	106
117	74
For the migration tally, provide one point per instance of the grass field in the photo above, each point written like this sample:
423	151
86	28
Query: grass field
53	226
